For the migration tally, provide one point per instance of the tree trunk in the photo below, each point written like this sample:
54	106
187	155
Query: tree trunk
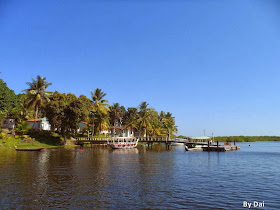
92	133
145	132
36	115
168	134
114	131
63	132
64	140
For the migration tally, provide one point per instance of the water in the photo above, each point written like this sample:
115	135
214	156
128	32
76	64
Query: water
102	178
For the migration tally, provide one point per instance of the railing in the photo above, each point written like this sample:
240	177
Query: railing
140	138
152	138
94	138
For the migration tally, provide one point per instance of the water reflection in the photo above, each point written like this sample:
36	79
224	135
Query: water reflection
125	151
97	177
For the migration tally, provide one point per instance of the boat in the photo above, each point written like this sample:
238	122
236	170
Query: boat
178	142
194	147
123	143
29	149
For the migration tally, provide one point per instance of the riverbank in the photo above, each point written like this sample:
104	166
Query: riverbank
246	138
11	143
33	139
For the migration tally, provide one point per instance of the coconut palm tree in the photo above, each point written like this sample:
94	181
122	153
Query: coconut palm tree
100	105
131	119
102	121
155	128
116	114
37	95
168	123
144	117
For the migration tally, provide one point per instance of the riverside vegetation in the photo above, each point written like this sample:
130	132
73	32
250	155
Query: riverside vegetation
65	110
243	138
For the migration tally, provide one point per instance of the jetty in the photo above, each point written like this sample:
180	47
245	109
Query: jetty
107	140
206	142
221	148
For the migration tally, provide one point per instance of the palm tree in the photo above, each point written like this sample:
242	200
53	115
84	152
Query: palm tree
168	123
144	117
37	95
102	122
115	114
131	118
155	128
100	105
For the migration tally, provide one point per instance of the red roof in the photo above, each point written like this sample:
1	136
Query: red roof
86	123
32	120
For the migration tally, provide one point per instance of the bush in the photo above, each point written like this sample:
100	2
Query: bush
3	135
23	128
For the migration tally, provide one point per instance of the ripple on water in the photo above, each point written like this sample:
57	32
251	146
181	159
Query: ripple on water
141	178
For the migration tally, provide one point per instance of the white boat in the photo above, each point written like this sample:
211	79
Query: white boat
197	143
178	142
194	147
123	143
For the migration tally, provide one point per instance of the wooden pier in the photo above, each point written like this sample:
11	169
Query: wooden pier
107	140
207	146
220	148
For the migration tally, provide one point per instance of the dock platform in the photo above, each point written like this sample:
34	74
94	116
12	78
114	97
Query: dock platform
221	148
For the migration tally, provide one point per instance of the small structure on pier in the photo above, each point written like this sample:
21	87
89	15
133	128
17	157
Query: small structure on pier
204	139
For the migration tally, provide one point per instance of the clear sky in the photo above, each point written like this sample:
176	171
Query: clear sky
213	64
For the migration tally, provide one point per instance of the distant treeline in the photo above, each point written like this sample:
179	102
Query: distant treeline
241	138
246	138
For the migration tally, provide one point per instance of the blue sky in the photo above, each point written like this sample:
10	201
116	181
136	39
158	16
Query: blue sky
213	64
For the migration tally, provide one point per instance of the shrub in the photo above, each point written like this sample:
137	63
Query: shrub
23	128
3	135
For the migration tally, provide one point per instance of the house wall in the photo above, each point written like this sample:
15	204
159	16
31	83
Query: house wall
9	123
81	126
123	132
104	132
36	126
43	124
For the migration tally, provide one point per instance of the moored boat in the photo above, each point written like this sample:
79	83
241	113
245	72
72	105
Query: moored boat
123	143
178	142
193	147
29	149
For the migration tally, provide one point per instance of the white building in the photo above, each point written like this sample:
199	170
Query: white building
40	124
9	123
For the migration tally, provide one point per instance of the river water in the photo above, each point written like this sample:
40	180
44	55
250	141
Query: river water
103	178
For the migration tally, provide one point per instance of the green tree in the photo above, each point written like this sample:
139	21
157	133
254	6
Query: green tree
116	114
64	112
144	118
86	108
8	100
131	119
55	110
71	116
168	123
100	107
37	95
155	128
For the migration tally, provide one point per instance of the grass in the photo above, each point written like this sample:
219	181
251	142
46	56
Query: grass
11	142
43	139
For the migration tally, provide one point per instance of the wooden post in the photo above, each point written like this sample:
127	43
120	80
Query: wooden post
208	144
217	144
